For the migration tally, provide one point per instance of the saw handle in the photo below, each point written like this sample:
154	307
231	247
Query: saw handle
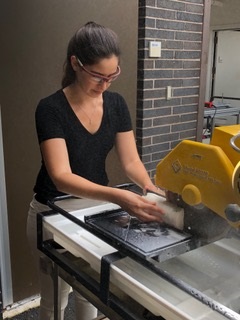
232	142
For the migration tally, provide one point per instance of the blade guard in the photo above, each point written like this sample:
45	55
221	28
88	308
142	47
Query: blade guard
201	174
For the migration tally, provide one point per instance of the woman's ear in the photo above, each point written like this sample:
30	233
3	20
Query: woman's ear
74	63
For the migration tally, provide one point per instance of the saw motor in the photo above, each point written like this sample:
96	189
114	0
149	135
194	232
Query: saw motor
204	179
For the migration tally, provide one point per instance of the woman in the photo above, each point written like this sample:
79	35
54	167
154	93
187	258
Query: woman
77	126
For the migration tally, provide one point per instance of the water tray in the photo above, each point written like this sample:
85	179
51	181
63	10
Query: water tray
145	240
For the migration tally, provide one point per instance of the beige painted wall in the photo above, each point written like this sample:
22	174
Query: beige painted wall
33	40
225	13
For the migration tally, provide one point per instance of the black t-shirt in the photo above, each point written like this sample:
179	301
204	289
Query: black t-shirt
87	152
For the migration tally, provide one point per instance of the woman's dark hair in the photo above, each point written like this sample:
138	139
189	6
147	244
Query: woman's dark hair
91	43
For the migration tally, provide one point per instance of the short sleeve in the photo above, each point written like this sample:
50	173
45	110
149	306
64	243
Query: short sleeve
48	121
119	112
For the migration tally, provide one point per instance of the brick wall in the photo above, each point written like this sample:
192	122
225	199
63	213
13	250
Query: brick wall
162	123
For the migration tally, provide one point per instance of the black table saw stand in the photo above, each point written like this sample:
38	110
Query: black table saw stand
96	292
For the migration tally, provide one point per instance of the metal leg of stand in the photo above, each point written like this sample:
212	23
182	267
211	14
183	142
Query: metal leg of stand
1	302
212	126
57	302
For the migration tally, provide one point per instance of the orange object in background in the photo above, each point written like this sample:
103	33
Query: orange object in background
208	104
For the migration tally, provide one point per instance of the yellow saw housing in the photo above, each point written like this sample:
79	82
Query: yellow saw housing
202	173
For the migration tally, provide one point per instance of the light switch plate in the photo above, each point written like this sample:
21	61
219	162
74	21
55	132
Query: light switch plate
169	92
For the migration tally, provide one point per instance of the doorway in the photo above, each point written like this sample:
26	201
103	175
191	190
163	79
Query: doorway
225	69
6	296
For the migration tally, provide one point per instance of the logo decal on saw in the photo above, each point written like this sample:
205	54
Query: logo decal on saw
176	165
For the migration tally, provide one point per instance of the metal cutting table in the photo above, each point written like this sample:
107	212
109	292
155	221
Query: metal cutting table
199	284
220	112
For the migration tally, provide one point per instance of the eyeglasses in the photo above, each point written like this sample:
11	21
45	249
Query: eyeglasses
99	78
